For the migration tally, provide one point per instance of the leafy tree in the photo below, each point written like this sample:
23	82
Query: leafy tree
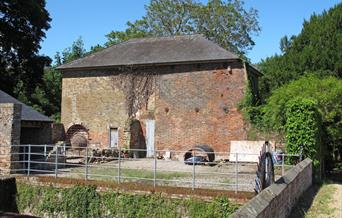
134	30
326	91
46	97
228	24
170	17
22	26
48	94
225	22
317	49
74	52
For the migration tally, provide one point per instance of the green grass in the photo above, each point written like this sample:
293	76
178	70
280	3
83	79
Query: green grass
321	203
139	173
316	202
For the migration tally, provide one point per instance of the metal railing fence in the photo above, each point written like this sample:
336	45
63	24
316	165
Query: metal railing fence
122	165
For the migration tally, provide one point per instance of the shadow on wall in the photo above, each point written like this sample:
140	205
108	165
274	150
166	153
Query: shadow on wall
8	190
137	140
77	136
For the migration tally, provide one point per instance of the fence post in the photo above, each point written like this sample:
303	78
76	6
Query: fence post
44	151
154	169
29	160
56	162
193	173
282	164
301	153
119	165
236	173
86	164
24	156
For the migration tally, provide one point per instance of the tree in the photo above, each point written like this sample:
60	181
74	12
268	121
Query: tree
228	24
225	22
316	50
134	30
170	17
46	96
325	91
22	26
74	52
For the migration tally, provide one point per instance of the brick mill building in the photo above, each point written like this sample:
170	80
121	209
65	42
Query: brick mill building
165	93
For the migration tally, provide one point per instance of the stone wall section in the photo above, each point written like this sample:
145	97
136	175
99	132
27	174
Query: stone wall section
10	125
279	199
96	104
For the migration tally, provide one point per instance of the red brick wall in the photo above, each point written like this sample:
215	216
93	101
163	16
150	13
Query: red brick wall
200	107
192	104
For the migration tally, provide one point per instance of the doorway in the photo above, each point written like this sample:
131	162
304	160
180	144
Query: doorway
114	138
150	127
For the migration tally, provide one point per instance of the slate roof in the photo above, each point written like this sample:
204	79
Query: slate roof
27	113
157	50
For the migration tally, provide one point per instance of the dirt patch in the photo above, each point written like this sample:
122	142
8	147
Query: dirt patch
337	201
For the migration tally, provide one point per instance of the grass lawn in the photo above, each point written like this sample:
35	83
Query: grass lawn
320	201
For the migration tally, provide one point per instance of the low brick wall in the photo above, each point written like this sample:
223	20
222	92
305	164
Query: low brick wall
279	199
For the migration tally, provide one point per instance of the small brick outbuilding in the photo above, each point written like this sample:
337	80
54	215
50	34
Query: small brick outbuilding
164	93
20	124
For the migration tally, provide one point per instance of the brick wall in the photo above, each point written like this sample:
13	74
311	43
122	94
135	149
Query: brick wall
10	125
200	107
94	103
279	199
192	104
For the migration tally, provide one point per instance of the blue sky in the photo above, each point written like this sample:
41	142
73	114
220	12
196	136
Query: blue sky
92	20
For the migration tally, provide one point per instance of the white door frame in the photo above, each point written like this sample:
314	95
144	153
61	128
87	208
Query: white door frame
150	130
111	129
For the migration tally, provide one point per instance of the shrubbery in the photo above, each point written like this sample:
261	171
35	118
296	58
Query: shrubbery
303	129
85	201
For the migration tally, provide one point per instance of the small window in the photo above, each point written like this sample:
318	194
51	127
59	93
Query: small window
114	138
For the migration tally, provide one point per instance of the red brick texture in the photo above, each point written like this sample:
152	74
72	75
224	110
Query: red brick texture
200	108
192	104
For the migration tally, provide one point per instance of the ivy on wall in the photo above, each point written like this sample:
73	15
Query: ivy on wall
85	201
303	128
137	87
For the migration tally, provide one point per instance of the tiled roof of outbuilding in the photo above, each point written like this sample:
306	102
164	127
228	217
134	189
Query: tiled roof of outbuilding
27	113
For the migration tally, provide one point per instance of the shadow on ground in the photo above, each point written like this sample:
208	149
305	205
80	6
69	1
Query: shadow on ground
14	215
306	200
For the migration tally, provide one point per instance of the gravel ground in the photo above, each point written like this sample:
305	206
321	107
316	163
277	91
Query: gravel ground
205	176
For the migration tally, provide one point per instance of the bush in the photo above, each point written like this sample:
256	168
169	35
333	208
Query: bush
84	201
303	128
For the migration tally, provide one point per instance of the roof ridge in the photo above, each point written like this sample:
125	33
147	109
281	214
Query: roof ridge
166	37
154	50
